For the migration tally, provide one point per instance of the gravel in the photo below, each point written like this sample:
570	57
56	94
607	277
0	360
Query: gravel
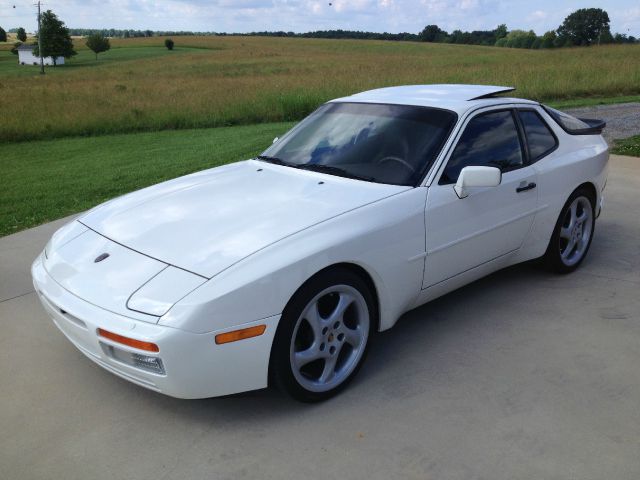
623	119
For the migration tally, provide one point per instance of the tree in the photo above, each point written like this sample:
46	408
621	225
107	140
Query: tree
567	42
431	33
98	44
501	42
548	39
605	37
169	43
55	38
584	26
501	31
21	34
520	39
3	35
14	50
457	36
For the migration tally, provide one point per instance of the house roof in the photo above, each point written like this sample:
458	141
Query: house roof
25	47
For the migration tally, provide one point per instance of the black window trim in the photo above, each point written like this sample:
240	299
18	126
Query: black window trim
521	139
530	160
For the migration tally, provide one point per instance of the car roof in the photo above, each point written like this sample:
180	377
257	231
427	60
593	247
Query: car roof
458	98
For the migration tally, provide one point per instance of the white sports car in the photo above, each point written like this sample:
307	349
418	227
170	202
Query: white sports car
280	269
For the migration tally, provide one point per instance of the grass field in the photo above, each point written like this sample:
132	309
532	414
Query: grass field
49	179
140	86
215	81
45	180
628	146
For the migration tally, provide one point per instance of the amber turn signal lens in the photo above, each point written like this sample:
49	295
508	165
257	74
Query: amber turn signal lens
139	344
240	334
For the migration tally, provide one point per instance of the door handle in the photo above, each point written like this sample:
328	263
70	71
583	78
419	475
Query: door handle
524	187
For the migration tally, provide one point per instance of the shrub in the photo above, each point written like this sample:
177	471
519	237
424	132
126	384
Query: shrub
169	44
97	43
21	34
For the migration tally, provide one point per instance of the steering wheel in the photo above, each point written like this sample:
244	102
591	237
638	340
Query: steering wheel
401	161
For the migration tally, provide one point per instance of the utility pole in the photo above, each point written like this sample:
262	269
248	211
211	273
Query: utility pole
40	42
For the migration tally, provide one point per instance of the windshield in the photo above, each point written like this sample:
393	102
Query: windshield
394	144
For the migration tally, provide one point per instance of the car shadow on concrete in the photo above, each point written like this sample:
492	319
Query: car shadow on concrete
413	340
410	358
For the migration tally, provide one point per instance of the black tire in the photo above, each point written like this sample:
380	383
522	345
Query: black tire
280	365
552	258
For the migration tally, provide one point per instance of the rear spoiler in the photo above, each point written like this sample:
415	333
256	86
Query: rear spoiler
576	126
596	127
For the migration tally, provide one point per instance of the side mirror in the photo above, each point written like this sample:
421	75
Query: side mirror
275	140
477	177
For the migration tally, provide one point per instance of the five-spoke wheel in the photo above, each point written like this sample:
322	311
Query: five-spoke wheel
329	338
323	335
573	233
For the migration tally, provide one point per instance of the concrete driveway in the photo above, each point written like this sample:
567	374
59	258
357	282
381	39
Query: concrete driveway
522	375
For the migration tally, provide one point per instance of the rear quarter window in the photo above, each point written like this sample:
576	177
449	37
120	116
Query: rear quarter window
576	126
540	139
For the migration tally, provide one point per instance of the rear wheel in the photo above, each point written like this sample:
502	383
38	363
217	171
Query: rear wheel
323	335
573	233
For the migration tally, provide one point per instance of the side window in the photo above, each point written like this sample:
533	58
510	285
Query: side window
491	140
539	137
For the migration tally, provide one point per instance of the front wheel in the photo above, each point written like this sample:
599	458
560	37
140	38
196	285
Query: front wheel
573	233
323	335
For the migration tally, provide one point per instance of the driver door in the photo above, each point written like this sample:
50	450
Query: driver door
492	221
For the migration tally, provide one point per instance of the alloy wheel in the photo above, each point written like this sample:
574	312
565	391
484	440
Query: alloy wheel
576	230
329	338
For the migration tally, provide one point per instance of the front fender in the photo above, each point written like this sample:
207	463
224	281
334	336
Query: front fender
385	238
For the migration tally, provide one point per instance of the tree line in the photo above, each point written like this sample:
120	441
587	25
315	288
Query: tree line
584	27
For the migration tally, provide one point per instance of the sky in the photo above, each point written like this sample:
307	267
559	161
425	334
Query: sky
309	15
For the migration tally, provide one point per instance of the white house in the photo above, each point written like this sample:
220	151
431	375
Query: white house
26	57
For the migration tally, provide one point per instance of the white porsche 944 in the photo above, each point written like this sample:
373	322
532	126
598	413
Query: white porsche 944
280	269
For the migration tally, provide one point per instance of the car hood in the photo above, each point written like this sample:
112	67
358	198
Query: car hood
207	221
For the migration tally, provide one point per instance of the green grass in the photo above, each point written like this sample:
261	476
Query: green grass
73	117
591	101
10	69
628	146
219	81
46	180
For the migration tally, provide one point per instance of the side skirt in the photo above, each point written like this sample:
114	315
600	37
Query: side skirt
442	288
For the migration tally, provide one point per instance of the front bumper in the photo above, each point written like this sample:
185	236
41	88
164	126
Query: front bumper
194	365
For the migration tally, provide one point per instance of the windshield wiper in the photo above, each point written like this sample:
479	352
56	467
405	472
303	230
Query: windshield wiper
333	170
316	167
276	160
